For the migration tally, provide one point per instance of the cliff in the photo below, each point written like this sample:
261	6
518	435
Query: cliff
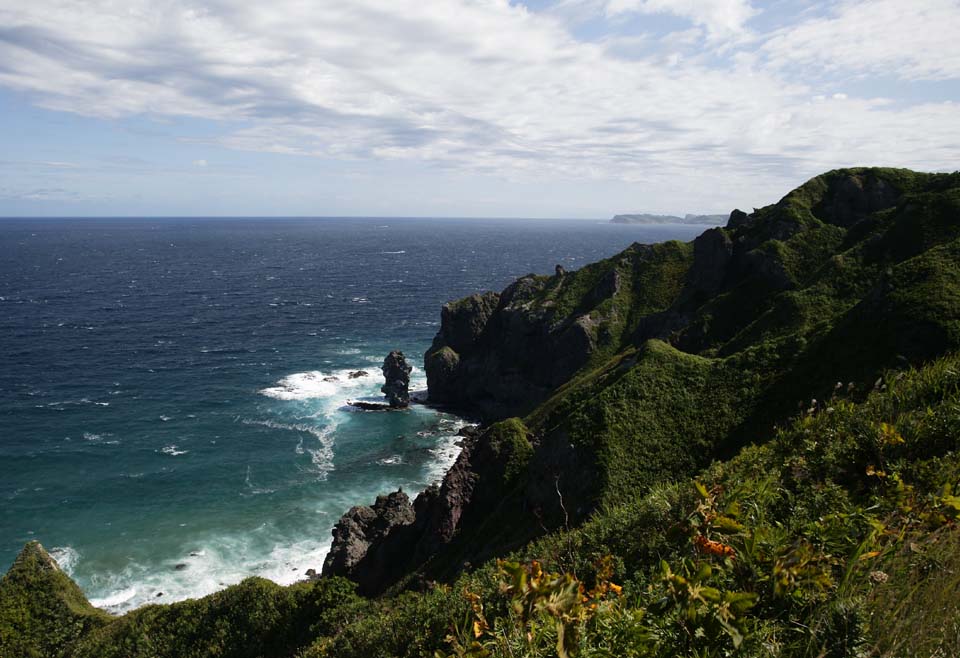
647	366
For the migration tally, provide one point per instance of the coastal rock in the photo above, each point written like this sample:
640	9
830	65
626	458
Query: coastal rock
712	252
855	196
360	527
374	546
737	219
356	374
497	356
396	372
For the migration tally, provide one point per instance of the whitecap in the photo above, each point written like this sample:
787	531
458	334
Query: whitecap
66	558
402	251
301	386
392	460
173	451
446	450
321	456
115	599
215	563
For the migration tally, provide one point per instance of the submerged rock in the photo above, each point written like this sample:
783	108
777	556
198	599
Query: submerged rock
396	372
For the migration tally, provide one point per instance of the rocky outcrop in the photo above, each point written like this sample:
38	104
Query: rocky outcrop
732	291
499	355
396	372
373	546
360	527
854	196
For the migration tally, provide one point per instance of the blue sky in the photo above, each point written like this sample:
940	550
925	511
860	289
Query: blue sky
565	108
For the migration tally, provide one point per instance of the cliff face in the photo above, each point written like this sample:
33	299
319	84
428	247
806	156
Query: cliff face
647	365
500	355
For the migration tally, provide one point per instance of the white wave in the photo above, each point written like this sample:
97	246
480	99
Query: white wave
66	558
321	456
173	450
392	460
90	436
301	386
114	600
251	490
165	418
446	450
402	251
217	562
316	384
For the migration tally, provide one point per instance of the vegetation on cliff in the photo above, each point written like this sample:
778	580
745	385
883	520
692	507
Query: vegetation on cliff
746	445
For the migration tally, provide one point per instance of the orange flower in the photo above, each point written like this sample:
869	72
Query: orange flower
714	547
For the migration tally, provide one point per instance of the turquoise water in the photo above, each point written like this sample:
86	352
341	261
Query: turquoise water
173	392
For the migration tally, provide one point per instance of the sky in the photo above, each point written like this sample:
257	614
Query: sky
482	108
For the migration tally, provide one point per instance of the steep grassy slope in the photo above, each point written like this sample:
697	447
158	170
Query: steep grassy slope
707	349
41	610
837	537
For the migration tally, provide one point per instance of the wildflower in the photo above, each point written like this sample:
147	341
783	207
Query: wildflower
878	576
713	547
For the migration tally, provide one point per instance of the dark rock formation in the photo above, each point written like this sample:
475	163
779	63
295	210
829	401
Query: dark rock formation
499	355
357	374
712	252
855	196
737	219
360	527
396	371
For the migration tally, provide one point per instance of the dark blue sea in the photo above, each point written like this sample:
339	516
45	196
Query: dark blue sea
173	392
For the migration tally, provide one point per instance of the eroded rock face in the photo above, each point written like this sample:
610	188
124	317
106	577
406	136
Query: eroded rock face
396	372
360	527
501	354
712	252
854	197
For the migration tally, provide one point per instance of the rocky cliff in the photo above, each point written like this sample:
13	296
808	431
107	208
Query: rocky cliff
647	365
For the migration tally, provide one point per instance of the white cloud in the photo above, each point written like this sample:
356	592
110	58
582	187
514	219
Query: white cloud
916	40
721	18
479	85
199	163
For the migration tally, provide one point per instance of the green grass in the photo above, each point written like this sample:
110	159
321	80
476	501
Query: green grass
42	611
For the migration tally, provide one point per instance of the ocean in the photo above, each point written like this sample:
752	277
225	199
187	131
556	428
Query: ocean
173	392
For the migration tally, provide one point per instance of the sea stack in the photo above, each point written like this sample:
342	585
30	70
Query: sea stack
396	372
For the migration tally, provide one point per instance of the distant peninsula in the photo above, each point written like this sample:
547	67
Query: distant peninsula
646	218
